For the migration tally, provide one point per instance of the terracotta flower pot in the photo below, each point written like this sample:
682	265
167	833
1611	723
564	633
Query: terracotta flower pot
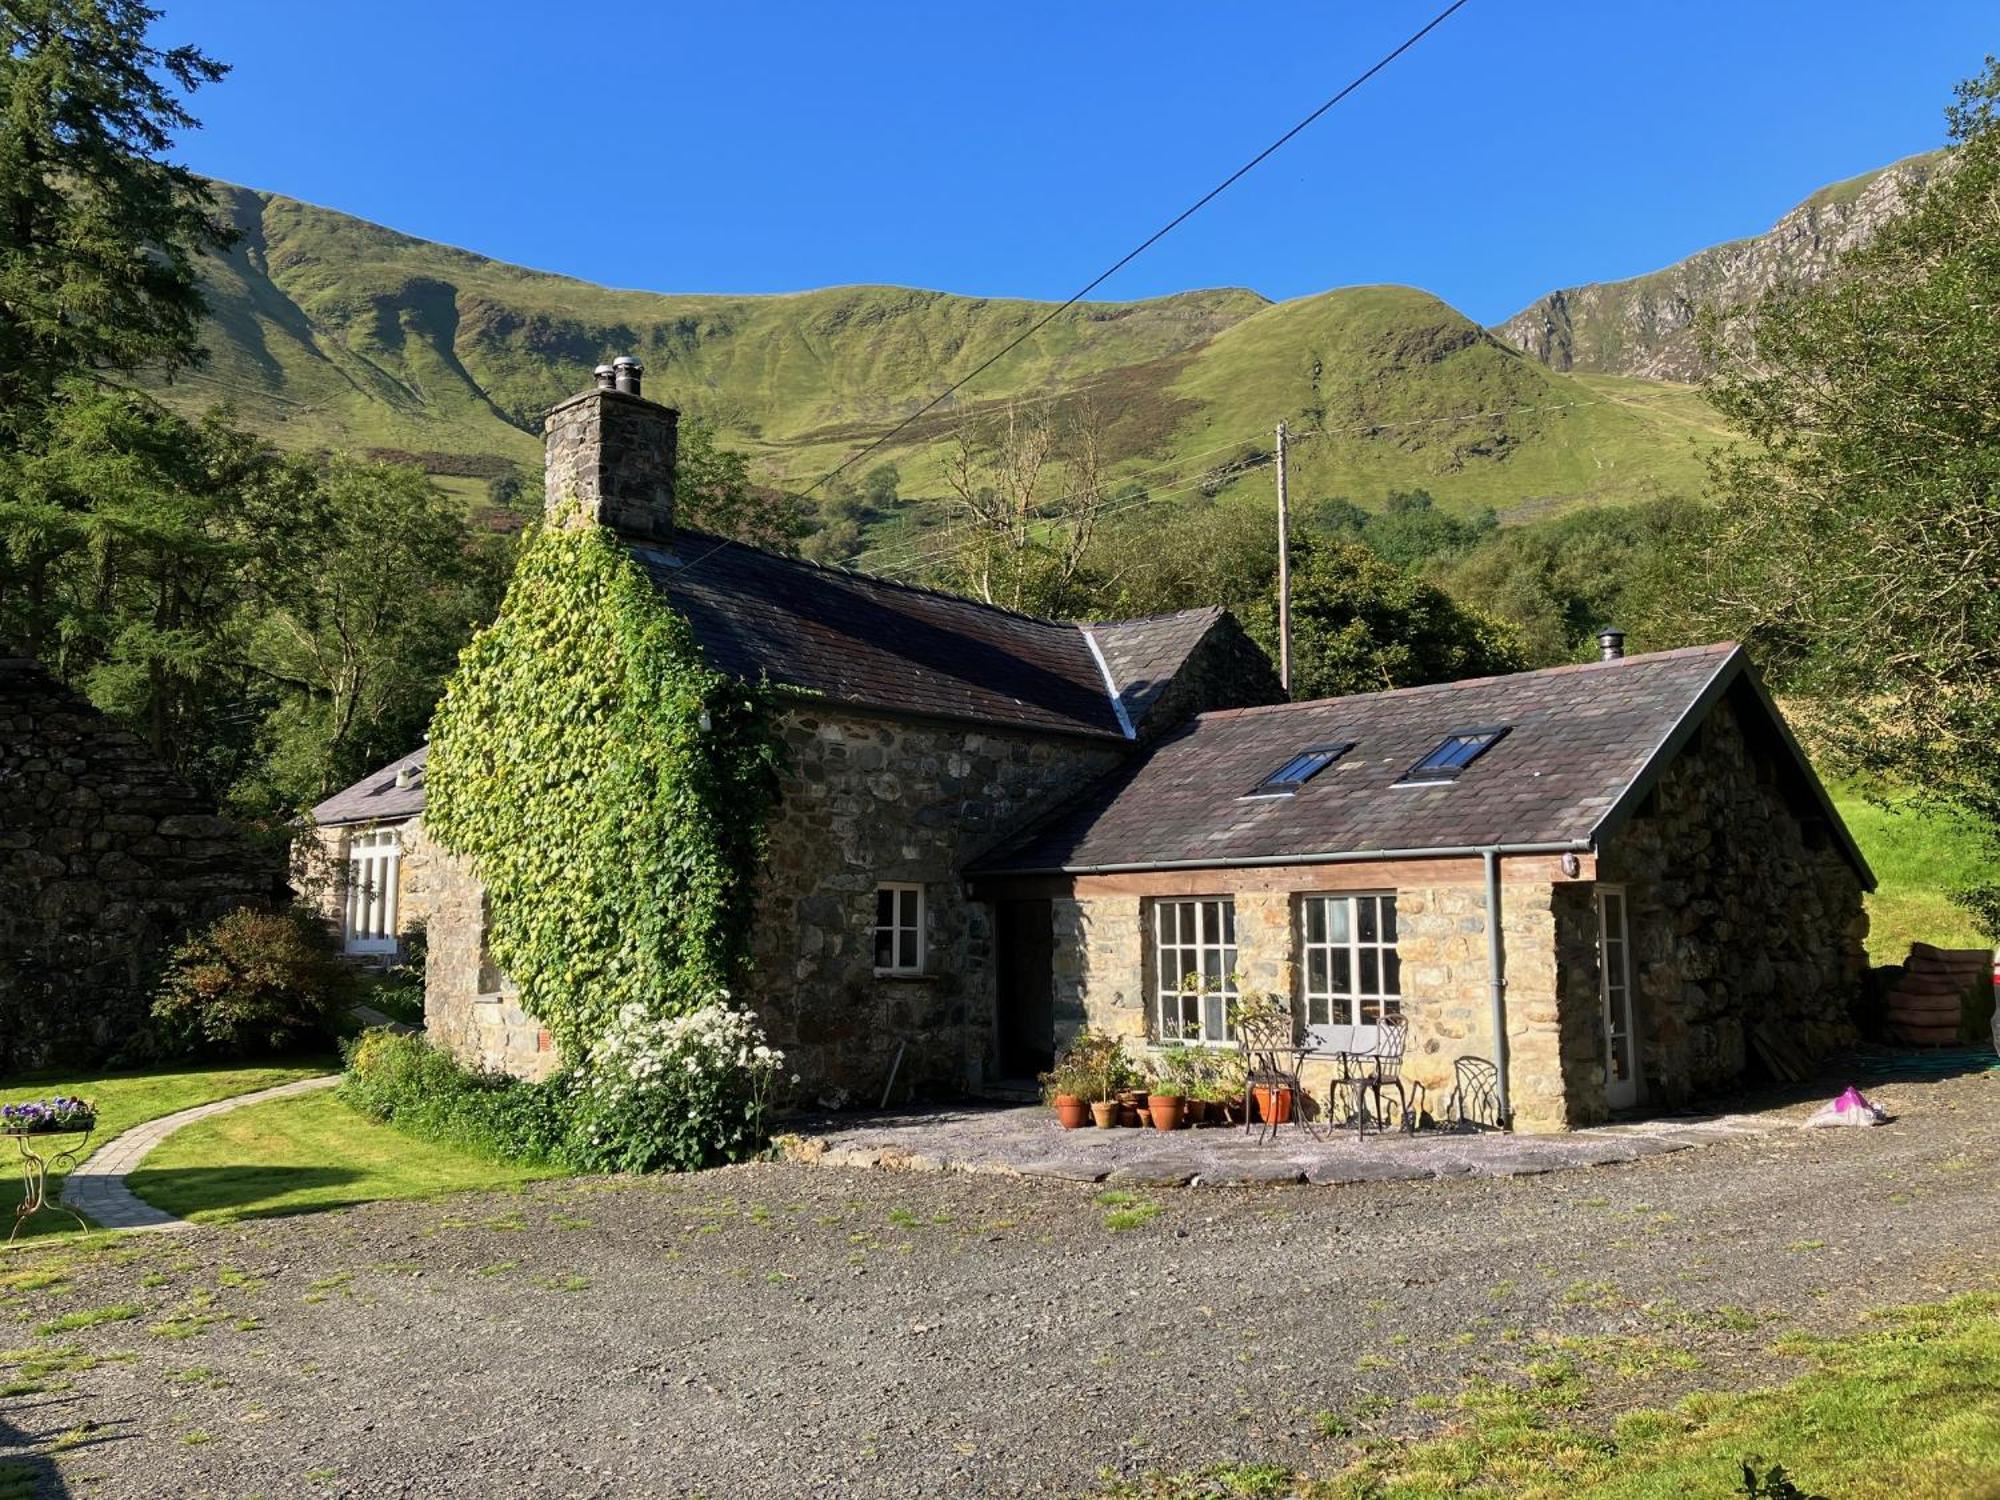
1071	1112
1128	1117
1165	1109
1274	1102
1197	1111
1104	1113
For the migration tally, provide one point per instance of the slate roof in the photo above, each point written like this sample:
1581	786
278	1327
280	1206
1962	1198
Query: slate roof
376	798
1142	656
1585	742
876	643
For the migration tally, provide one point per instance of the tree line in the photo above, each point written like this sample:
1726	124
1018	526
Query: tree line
276	624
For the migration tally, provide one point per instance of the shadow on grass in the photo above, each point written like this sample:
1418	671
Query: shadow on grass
247	1192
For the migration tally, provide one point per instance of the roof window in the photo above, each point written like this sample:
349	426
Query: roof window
1460	749
1300	769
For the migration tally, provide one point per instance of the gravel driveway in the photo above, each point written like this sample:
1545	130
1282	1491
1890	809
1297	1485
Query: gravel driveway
782	1330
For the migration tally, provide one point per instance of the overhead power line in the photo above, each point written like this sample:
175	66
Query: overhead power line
1141	248
1218	473
1146	244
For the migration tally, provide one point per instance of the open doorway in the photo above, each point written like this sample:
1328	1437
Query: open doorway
1024	986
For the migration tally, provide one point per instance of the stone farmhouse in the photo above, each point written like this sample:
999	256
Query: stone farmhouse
1608	880
109	860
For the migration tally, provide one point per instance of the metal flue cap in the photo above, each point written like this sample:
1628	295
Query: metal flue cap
626	372
605	377
1610	645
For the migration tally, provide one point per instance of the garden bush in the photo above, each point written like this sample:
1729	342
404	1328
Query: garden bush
402	1080
673	1093
657	1094
253	984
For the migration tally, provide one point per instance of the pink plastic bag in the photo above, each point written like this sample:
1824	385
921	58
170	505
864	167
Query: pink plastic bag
1851	1108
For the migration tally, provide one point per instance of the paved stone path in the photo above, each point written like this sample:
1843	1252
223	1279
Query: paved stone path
97	1188
1027	1142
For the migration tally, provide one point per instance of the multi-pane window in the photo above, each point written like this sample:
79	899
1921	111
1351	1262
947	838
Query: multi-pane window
370	917
1297	771
1459	750
1353	974
1194	969
899	929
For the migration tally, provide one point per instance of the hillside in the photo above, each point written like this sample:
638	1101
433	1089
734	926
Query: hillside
327	331
1644	326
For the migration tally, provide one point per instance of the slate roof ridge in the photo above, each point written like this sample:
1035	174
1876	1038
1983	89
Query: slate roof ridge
851	575
883	581
1213	610
1718	649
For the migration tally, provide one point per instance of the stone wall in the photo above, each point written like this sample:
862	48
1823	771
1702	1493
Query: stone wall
868	799
1104	962
471	1009
1742	912
106	861
319	873
872	799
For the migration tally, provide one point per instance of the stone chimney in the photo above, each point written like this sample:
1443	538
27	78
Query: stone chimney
611	452
1610	645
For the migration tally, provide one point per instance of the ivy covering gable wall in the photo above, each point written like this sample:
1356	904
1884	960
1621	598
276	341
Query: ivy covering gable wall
617	838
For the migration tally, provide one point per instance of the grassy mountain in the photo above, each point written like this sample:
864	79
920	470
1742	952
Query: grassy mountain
1644	326
331	332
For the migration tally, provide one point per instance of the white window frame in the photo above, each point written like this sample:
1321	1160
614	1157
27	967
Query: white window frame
1356	1003
1207	948
1614	993
903	919
373	891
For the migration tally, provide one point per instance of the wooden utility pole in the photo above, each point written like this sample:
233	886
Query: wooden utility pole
1284	571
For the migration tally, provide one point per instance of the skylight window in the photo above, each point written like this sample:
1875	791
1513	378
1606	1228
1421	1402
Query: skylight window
1460	749
1300	769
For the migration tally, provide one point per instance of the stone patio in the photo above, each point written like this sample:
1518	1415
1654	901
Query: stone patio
1026	1141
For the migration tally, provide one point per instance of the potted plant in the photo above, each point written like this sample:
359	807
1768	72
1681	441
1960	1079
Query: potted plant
1094	1065
1167	1097
1070	1085
1065	1092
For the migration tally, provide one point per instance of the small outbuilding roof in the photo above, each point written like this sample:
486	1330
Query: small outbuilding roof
376	797
1554	759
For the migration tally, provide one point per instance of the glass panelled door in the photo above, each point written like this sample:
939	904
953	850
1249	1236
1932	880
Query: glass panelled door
372	860
1614	985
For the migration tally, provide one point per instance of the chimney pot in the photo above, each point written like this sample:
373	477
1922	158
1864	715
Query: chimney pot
614	461
1610	645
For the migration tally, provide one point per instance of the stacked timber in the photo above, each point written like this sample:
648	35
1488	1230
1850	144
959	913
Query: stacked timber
1939	987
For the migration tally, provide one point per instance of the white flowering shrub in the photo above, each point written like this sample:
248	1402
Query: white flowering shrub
673	1093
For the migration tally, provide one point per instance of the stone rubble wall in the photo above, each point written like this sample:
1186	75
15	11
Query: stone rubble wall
107	861
872	799
1740	915
471	1009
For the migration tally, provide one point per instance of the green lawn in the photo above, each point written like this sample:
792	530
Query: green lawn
1919	859
304	1154
1902	1410
125	1099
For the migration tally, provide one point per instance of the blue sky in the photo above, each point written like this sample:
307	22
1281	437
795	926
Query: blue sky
1016	150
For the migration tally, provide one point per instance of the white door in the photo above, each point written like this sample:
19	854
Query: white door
1614	987
373	861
